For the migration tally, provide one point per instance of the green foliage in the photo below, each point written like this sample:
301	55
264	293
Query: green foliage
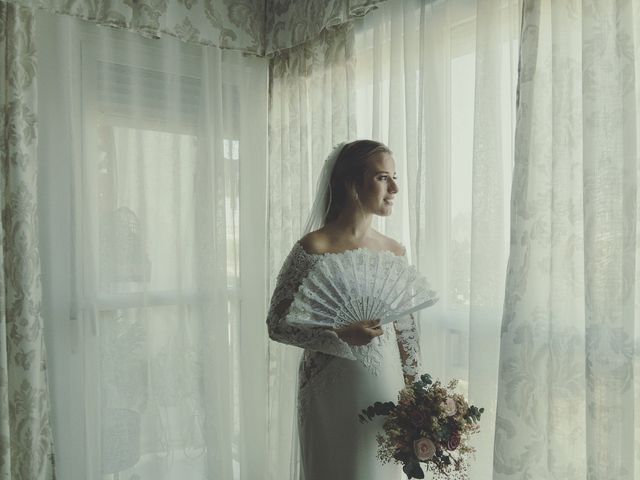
473	415
413	469
377	408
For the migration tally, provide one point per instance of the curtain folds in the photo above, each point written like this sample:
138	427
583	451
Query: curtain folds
568	396
26	449
150	189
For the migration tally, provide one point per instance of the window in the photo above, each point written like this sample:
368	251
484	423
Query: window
420	84
145	229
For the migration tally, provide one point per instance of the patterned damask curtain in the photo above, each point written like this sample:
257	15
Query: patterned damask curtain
289	23
232	24
253	26
25	433
568	390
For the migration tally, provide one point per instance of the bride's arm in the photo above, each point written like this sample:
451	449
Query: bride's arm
409	347
293	271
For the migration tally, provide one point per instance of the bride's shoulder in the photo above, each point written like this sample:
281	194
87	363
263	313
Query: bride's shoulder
321	241
316	242
392	245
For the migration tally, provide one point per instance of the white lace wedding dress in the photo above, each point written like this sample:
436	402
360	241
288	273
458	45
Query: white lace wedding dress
333	389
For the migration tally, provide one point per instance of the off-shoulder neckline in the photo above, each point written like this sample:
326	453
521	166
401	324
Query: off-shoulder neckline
366	249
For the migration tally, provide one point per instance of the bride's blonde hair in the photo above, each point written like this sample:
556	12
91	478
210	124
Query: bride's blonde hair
348	172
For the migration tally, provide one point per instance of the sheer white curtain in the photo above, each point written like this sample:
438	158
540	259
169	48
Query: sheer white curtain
436	82
152	159
569	396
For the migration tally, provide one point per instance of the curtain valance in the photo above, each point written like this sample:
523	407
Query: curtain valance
257	27
231	24
289	23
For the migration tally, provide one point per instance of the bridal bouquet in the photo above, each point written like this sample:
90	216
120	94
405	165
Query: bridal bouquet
430	424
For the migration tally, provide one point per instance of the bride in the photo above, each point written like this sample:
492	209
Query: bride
357	182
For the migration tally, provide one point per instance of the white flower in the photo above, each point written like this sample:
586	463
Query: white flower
424	449
449	407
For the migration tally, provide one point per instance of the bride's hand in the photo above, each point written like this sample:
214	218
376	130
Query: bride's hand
360	333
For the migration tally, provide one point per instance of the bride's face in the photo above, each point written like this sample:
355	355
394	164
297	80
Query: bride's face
379	187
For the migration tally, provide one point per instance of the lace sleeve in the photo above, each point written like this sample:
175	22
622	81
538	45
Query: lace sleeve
409	347
293	271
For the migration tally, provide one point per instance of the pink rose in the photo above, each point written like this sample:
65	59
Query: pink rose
454	441
424	449
449	407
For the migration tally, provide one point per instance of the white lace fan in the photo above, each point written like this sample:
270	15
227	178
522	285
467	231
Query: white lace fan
343	288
